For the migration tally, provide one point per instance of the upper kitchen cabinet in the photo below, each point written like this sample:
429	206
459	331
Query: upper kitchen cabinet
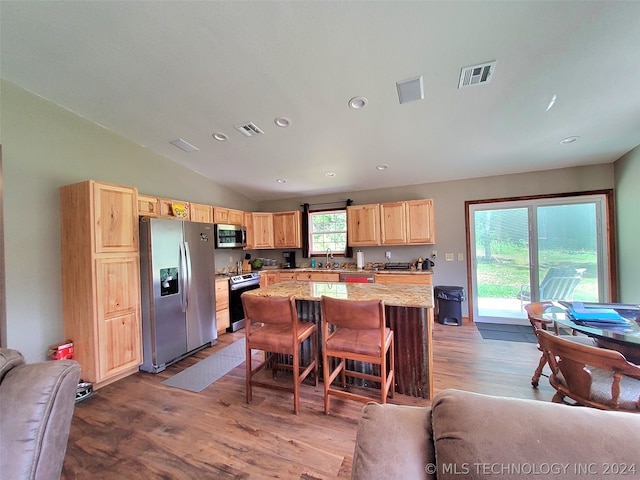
228	216
100	279
248	223
115	217
148	206
286	230
201	213
175	209
262	231
393	223
406	223
363	224
420	222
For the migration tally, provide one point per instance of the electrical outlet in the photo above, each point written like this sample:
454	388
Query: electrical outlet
461	257
388	255
448	257
434	254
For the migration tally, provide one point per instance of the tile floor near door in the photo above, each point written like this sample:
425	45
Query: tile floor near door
140	428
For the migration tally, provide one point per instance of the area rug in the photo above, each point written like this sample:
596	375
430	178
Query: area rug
199	376
510	333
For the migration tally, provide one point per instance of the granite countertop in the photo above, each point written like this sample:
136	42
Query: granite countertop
349	270
417	296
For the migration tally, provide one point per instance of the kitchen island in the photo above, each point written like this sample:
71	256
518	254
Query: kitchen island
409	313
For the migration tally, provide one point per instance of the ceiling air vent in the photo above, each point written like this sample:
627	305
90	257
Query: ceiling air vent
476	74
249	129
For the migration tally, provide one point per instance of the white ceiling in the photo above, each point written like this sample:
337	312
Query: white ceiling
157	71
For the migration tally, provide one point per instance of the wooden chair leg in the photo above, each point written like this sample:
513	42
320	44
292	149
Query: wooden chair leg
296	380
343	373
383	377
248	391
326	373
536	375
392	368
314	340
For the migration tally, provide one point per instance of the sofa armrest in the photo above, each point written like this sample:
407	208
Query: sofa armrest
393	442
36	407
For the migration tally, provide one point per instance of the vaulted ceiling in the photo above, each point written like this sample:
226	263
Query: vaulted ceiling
155	72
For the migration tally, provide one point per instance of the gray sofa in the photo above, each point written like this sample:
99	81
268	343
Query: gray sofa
468	435
36	407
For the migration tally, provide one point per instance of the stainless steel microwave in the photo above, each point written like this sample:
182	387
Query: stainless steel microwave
230	236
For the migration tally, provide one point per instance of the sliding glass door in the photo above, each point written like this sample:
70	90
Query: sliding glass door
531	250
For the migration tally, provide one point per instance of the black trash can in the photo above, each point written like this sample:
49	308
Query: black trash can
448	307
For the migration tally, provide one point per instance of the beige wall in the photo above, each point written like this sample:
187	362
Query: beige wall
627	175
44	147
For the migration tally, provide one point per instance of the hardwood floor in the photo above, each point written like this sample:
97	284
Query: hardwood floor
140	428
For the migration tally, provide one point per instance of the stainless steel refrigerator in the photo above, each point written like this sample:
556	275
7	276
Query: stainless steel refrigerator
177	278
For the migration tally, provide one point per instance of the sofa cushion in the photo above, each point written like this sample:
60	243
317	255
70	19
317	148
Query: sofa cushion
479	436
393	442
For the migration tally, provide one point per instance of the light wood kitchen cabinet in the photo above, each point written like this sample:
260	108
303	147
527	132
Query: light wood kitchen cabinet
228	216
363	225
222	304
248	223
404	223
262	229
201	213
269	278
404	279
286	230
175	209
148	206
287	276
318	277
420	222
393	223
101	279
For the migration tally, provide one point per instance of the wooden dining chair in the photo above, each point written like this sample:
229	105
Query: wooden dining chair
272	325
355	330
535	313
591	376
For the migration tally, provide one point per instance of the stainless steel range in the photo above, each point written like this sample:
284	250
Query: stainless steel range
237	285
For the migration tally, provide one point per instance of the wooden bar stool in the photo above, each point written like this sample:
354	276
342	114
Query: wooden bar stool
359	333
281	332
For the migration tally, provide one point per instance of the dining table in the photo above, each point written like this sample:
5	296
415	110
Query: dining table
623	338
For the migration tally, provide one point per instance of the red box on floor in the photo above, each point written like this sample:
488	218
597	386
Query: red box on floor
61	351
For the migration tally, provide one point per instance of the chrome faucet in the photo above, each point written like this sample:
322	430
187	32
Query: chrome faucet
328	265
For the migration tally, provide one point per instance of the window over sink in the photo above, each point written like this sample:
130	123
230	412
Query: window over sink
327	229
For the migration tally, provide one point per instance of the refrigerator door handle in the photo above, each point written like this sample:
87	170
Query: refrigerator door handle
183	277
188	276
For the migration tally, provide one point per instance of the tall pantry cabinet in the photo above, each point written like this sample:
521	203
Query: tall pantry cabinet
100	279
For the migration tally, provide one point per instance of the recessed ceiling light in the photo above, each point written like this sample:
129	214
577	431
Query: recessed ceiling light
329	174
382	166
184	145
282	122
551	103
281	180
221	137
567	140
358	102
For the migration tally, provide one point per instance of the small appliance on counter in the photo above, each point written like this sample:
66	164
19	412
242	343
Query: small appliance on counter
289	259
